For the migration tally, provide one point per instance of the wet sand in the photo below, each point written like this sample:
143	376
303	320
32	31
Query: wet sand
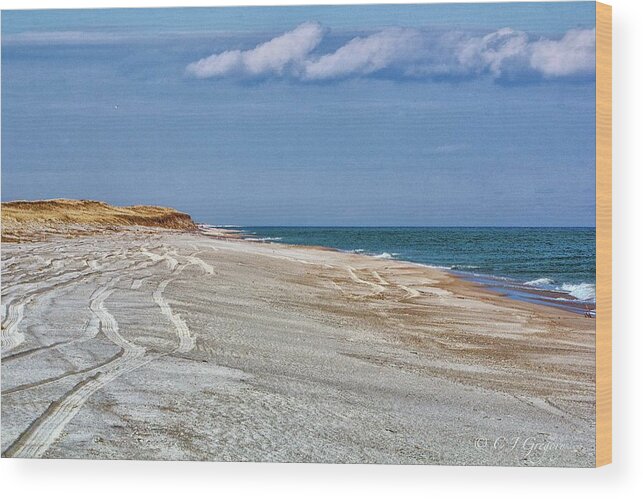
158	344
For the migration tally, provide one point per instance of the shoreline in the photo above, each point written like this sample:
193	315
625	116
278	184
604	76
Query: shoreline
501	285
490	283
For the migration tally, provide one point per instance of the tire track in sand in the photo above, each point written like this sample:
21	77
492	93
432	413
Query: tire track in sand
11	337
186	340
410	292
194	260
91	329
352	274
172	262
48	427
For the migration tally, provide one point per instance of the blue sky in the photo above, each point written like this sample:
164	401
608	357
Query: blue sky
479	114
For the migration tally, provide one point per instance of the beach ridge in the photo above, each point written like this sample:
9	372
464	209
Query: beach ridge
35	220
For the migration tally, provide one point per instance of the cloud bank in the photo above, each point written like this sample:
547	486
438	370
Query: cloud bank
410	53
364	56
575	53
275	56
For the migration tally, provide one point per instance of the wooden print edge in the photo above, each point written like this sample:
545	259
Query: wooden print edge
603	234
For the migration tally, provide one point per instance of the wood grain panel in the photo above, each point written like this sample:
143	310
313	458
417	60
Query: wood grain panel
603	234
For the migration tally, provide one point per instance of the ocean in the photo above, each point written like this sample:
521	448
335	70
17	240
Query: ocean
553	266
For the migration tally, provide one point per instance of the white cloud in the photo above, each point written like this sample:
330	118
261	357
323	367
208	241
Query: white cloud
493	52
363	56
407	53
271	57
574	53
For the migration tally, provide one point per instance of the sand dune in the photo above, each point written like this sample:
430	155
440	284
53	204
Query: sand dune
34	220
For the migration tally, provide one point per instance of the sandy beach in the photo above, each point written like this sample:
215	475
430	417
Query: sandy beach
158	344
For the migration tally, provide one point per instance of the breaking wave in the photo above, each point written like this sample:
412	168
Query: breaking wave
463	267
583	291
385	255
543	281
263	239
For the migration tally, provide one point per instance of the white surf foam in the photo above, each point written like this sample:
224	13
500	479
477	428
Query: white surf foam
543	281
583	291
263	239
385	255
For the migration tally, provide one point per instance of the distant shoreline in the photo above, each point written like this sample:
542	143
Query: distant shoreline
503	286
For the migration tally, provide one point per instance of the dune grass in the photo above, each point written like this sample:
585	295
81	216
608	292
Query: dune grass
22	220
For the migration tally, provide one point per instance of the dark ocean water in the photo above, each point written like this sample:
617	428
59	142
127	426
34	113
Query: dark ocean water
552	265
